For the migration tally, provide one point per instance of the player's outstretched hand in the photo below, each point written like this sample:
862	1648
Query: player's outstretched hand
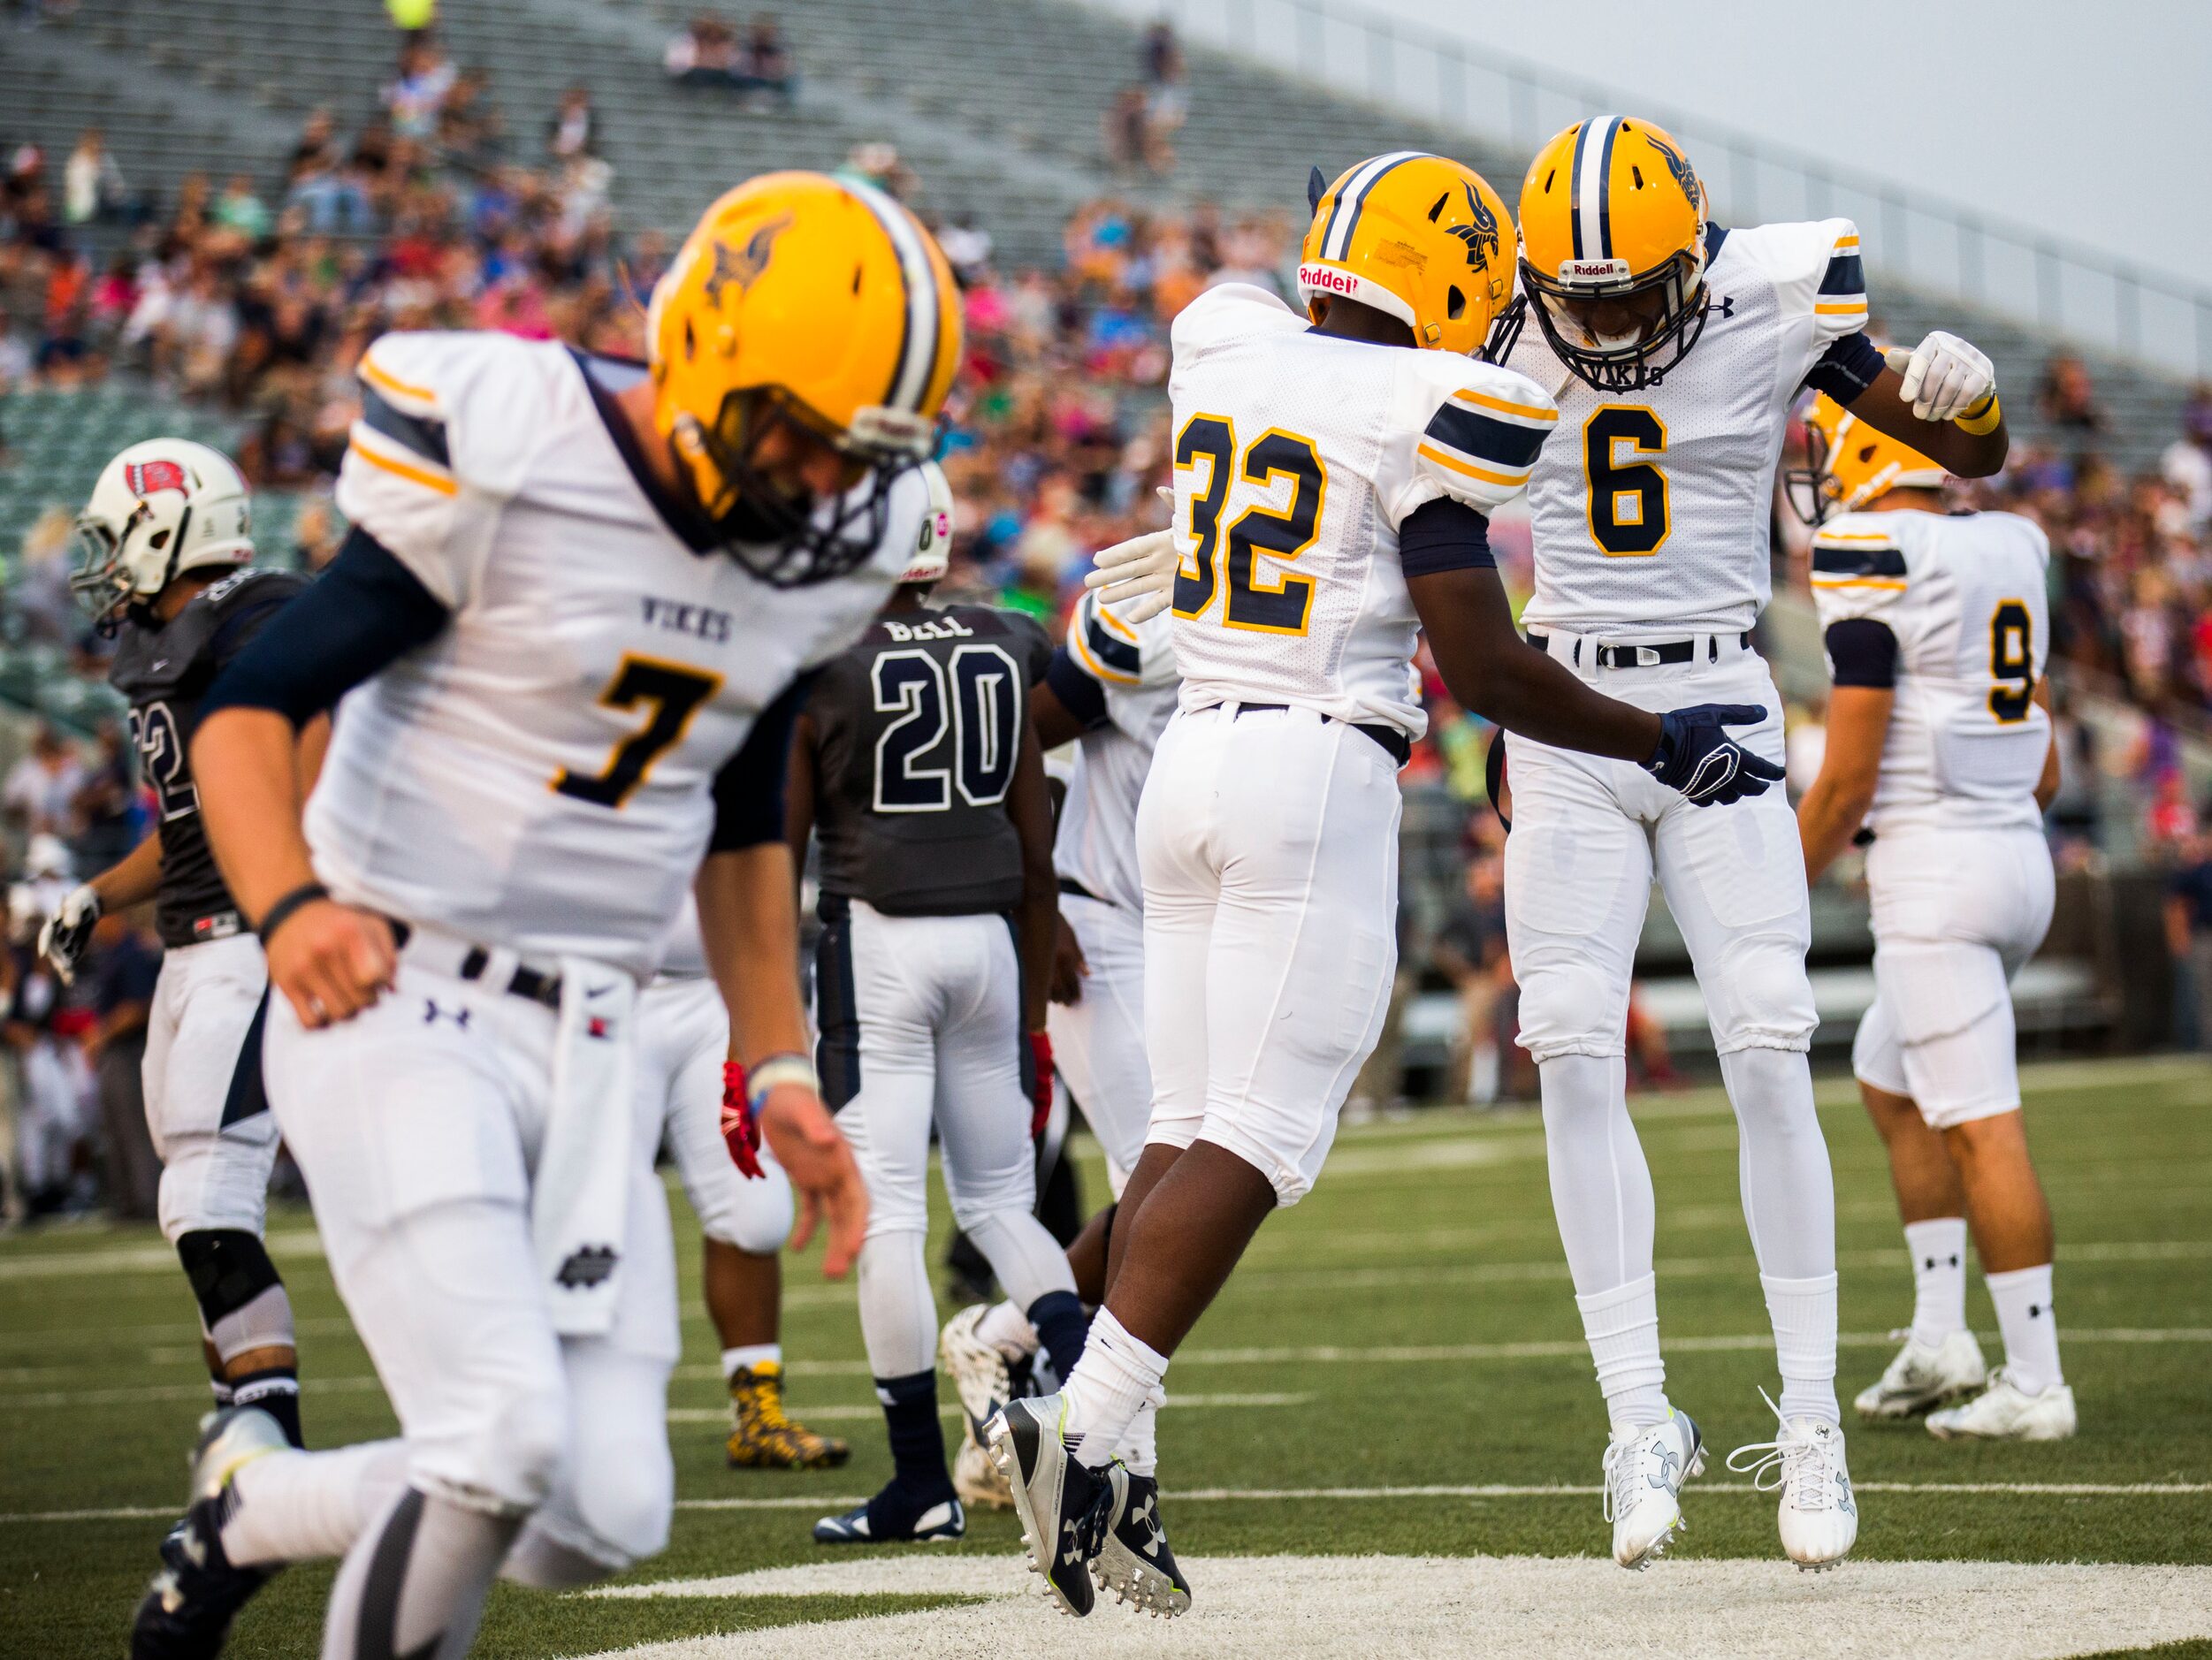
1138	575
331	961
1696	756
1944	376
822	1171
62	940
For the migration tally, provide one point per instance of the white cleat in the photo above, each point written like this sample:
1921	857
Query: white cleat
976	1479
1925	1377
977	1368
1819	1513
2004	1411
1644	1472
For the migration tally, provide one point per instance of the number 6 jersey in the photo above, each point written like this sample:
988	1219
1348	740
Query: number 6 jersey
1950	611
1297	455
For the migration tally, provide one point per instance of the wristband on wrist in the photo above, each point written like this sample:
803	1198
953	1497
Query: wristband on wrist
772	1070
278	914
1982	418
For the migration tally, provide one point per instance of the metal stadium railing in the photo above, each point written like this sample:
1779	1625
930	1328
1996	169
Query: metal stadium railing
1913	236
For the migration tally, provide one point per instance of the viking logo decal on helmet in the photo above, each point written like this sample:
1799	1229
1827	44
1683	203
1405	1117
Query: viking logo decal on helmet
1678	164
744	267
1480	236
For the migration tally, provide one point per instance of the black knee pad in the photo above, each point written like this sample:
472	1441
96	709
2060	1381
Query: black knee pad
228	1268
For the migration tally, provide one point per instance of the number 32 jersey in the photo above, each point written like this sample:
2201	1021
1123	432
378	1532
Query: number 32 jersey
1297	457
1962	599
1649	510
539	775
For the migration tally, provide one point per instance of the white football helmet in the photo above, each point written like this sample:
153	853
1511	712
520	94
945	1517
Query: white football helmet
161	508
932	555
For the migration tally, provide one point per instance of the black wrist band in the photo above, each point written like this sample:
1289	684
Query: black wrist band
274	916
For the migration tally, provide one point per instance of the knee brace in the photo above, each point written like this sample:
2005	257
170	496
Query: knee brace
1760	998
243	1301
752	1216
1570	1006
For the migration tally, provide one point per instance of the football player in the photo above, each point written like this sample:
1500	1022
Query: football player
1940	743
1675	350
1333	473
570	626
916	767
164	547
745	1212
1108	690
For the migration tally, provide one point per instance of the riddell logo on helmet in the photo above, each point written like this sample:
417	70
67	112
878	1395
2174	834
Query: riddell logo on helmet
1336	282
1588	270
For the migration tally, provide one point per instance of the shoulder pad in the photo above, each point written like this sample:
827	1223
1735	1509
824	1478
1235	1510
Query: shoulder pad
1481	427
1816	269
1858	565
447	407
1227	311
1108	648
249	585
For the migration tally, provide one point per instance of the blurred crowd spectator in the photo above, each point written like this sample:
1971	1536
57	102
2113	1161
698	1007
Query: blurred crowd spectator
711	51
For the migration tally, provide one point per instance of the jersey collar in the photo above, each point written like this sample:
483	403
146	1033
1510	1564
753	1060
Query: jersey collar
604	377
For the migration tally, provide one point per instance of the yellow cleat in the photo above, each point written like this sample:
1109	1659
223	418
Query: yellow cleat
765	1438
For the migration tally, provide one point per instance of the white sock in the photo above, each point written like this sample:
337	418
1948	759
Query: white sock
1622	1326
294	1507
2030	1325
1804	1314
746	1356
1006	1329
1139	1447
1112	1382
1938	1277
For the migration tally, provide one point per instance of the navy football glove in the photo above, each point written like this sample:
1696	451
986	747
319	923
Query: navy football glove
1700	759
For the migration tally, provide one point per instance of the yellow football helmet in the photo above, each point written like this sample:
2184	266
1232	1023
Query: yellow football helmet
1850	464
1419	237
813	302
1613	247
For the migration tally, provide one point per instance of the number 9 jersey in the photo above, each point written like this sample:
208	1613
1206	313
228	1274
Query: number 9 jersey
1297	455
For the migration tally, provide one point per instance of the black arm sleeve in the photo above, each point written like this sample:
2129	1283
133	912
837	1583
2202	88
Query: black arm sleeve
363	613
748	790
1848	367
1444	535
1864	653
1081	696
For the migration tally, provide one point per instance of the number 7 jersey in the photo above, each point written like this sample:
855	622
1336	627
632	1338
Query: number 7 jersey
1297	455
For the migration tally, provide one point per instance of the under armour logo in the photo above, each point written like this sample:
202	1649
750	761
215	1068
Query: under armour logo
587	1265
1727	302
1668	1459
433	1014
1844	1502
2036	1311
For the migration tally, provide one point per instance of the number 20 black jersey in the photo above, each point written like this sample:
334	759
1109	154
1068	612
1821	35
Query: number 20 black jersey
163	670
917	728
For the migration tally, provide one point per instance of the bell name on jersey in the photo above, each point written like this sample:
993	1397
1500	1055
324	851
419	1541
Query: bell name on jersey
1963	599
1649	510
538	776
1297	455
1119	679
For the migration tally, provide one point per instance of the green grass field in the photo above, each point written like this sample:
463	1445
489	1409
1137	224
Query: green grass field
1409	1326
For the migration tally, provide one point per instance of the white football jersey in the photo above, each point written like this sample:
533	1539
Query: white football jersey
1297	457
1649	510
682	951
539	775
1964	595
1133	668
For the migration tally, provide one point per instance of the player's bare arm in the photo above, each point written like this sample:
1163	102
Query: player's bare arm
1834	807
749	919
2047	785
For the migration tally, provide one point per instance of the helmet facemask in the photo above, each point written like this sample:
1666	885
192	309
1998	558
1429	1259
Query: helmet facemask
1667	306
1811	491
102	583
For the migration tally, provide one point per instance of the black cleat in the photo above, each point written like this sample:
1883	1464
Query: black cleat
1066	1508
1135	1563
187	1609
897	1516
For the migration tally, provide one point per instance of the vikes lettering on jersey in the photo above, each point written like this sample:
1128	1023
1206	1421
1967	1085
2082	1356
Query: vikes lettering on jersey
1649	510
1133	665
1964	595
538	777
1297	456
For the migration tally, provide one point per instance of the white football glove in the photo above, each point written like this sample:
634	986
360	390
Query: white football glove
1944	376
1138	575
63	938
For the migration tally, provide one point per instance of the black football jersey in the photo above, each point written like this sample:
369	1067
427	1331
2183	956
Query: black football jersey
163	670
918	725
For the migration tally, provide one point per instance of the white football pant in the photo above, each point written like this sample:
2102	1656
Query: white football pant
1268	842
682	1040
1098	1040
213	1174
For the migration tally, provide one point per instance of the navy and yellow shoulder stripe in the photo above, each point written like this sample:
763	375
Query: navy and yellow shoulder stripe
1842	292
401	431
1105	644
1486	437
1857	559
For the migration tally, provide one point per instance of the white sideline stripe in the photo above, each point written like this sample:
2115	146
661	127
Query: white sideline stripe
845	1414
1300	1494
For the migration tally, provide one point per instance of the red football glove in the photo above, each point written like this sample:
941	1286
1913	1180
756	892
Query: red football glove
1040	1083
740	1131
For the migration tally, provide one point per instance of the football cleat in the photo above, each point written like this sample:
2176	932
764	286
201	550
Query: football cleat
1923	1377
897	1516
189	1607
2004	1411
975	1478
977	1368
1134	1563
1066	1508
1644	1472
1819	1517
764	1437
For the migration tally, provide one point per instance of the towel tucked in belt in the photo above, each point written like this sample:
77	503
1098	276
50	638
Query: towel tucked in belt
581	1195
